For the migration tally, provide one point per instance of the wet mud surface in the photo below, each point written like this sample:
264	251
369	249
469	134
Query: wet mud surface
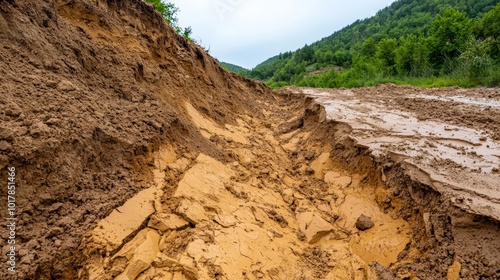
450	135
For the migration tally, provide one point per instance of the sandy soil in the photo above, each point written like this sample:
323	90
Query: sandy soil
139	157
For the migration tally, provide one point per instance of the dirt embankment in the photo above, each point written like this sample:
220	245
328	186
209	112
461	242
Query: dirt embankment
138	157
89	90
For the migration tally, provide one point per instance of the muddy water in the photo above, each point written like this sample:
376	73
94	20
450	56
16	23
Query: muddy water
482	102
459	160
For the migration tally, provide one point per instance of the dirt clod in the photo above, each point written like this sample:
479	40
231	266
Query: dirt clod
364	223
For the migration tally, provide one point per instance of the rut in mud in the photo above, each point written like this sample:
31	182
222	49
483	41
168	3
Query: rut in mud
147	160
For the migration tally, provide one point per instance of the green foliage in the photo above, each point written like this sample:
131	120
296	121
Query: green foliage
412	57
234	68
386	54
447	41
450	31
169	12
490	24
475	60
369	47
489	27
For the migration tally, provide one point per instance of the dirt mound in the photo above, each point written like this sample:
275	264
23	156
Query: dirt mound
138	157
89	91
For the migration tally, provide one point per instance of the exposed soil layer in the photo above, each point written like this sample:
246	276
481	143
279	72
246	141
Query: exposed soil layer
89	90
139	157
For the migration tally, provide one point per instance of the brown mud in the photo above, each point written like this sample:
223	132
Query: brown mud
139	157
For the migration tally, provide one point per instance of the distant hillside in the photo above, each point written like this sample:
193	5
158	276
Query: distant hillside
233	68
406	42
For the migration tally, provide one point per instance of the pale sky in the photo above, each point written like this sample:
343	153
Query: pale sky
247	32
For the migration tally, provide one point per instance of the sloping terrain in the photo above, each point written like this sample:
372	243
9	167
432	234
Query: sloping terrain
139	157
89	91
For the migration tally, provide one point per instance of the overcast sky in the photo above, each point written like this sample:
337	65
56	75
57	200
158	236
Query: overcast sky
247	32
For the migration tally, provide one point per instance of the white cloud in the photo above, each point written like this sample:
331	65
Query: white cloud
246	32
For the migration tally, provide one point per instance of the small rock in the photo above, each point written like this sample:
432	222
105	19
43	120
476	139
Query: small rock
54	232
13	110
402	255
51	84
154	124
454	271
57	243
140	252
23	252
331	177
53	121
55	207
162	261
364	223
309	171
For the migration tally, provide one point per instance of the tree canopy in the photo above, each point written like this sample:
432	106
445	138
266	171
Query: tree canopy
409	41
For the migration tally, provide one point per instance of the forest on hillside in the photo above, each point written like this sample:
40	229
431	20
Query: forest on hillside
429	42
234	68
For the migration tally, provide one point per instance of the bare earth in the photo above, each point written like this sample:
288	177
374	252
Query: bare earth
139	157
451	136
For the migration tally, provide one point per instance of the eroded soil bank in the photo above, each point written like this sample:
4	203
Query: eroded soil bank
139	157
285	206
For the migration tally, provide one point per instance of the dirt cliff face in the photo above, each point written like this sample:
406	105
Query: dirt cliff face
139	157
89	90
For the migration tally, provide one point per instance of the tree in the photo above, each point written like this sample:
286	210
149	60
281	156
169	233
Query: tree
449	32
386	53
475	60
489	27
169	12
412	57
369	47
328	56
490	24
304	54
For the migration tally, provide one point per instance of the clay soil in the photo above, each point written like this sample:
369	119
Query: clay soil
139	157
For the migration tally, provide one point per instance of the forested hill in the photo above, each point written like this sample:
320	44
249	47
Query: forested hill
233	68
429	42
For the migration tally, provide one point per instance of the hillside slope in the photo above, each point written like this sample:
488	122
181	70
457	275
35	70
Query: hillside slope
89	91
233	68
396	44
